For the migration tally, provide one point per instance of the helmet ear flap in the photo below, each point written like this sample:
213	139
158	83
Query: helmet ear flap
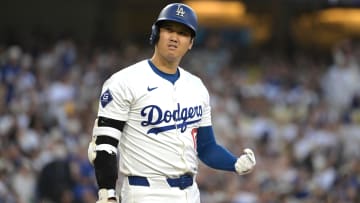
154	37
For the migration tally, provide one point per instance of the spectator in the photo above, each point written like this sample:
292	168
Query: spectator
307	141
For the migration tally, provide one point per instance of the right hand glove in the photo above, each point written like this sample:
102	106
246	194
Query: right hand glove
107	196
246	162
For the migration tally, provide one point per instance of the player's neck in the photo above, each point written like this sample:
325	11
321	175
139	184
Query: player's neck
165	66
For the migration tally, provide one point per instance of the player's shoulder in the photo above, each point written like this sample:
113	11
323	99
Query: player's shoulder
131	69
128	73
190	77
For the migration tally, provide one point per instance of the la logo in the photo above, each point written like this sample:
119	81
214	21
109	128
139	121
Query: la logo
180	11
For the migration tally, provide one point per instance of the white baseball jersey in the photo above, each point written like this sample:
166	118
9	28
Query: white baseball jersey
159	137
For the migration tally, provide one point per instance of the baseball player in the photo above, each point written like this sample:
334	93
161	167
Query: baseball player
156	118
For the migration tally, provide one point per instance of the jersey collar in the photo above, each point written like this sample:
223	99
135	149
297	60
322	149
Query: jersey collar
169	77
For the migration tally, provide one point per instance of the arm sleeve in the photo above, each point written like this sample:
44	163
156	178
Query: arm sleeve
105	164
211	153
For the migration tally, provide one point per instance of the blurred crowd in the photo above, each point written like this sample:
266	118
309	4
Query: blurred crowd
301	117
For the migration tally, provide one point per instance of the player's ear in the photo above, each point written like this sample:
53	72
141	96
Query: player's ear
191	43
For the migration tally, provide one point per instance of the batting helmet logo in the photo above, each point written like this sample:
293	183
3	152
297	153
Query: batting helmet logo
176	12
180	11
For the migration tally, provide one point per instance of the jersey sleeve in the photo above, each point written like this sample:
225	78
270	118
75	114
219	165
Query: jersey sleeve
115	99
206	117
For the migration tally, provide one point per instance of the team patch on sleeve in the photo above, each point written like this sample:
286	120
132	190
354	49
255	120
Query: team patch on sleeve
106	98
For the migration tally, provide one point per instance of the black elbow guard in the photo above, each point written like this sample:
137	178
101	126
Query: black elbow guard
106	169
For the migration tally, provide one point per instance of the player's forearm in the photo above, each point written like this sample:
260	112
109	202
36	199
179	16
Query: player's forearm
102	153
212	154
218	157
105	164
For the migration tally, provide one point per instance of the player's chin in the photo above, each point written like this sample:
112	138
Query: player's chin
172	57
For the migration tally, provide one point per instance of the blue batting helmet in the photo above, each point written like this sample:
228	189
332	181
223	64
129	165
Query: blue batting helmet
176	12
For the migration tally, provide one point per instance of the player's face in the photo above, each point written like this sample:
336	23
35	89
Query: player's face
175	40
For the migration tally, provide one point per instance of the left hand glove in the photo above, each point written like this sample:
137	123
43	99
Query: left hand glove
246	162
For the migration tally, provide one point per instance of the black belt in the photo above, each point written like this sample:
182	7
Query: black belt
181	182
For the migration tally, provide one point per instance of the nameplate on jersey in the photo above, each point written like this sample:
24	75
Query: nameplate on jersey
155	116
106	98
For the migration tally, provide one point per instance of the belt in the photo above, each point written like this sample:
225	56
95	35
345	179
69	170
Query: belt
181	182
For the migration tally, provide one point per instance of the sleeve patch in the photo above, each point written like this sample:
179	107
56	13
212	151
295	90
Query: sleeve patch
106	98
